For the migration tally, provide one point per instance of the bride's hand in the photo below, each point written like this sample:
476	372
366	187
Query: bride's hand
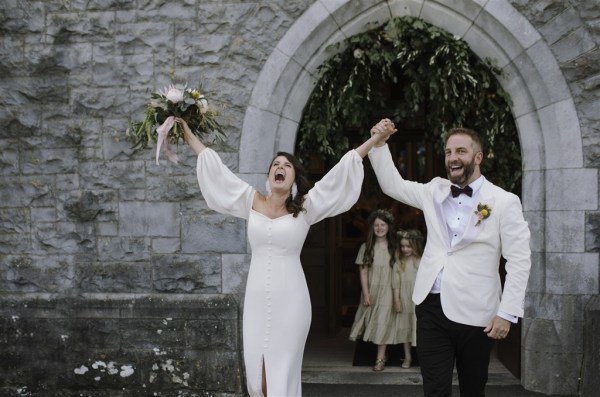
189	137
384	129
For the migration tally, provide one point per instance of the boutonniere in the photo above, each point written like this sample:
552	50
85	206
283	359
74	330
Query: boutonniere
483	212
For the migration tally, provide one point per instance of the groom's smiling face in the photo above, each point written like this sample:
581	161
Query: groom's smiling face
463	158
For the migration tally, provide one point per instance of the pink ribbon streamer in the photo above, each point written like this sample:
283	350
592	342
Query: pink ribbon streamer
163	132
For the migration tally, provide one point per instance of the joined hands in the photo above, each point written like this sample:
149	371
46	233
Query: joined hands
385	128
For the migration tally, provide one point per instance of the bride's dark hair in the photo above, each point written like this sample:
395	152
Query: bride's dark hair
294	204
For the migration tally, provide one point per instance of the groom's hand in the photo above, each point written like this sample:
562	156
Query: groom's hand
384	129
498	329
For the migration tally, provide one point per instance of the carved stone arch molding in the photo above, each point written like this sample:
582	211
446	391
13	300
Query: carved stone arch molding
543	108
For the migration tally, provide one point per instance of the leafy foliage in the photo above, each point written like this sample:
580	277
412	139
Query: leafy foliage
442	84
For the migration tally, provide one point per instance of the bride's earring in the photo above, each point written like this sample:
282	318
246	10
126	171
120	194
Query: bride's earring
294	190
268	188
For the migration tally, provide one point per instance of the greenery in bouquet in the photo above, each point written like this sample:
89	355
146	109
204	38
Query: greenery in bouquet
165	107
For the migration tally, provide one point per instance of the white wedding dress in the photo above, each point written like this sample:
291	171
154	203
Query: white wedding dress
277	308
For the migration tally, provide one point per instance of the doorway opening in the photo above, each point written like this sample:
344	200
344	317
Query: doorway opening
330	251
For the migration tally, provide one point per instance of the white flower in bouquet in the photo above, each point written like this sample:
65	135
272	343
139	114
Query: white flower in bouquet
174	95
203	105
159	125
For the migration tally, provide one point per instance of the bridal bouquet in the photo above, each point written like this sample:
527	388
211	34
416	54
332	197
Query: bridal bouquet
159	125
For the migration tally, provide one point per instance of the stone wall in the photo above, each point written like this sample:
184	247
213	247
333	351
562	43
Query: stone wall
111	265
555	359
120	345
115	279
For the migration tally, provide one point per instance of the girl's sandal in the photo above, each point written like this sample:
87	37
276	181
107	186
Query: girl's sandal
379	365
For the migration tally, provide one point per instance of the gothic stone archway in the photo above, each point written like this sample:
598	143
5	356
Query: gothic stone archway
546	119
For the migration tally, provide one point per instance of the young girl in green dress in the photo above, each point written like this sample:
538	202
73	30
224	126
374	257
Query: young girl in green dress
403	282
375	319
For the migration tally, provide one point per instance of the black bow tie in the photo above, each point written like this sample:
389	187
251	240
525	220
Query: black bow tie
456	191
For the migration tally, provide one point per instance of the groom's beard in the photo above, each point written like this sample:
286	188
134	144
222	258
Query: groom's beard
467	168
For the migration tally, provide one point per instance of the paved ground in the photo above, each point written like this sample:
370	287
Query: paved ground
350	390
327	371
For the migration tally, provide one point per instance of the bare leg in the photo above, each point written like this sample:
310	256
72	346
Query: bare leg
380	362
407	355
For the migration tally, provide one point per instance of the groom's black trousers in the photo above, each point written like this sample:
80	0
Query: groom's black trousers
440	342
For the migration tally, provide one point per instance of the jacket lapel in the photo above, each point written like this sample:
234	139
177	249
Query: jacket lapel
439	195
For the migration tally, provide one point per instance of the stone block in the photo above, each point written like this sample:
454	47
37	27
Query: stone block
536	222
307	34
107	228
113	175
16	220
187	273
537	275
560	26
530	137
565	231
27	191
63	237
572	273
153	334
257	146
149	219
592	232
166	245
211	334
235	273
560	123
274	82
535	182
173	188
578	180
405	7
30	273
89	204
123	249
590	383
55	161
515	23
455	17
549	71
356	17
485	46
114	277
294	104
544	306
573	45
550	373
214	233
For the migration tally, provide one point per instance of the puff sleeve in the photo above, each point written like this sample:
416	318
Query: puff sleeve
223	191
337	191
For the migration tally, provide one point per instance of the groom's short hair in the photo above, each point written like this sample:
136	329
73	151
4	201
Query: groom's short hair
465	131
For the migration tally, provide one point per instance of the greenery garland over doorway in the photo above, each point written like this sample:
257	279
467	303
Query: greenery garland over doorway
443	84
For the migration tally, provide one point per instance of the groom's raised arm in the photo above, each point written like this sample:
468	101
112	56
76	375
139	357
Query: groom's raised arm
392	184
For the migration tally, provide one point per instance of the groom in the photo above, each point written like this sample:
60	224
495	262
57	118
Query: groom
461	306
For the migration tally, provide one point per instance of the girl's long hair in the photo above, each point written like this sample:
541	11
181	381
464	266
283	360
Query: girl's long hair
294	204
392	241
415	240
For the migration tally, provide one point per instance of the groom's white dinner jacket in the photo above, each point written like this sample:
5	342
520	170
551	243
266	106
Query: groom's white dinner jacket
471	292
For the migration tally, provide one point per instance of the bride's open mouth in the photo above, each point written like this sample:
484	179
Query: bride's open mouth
279	176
